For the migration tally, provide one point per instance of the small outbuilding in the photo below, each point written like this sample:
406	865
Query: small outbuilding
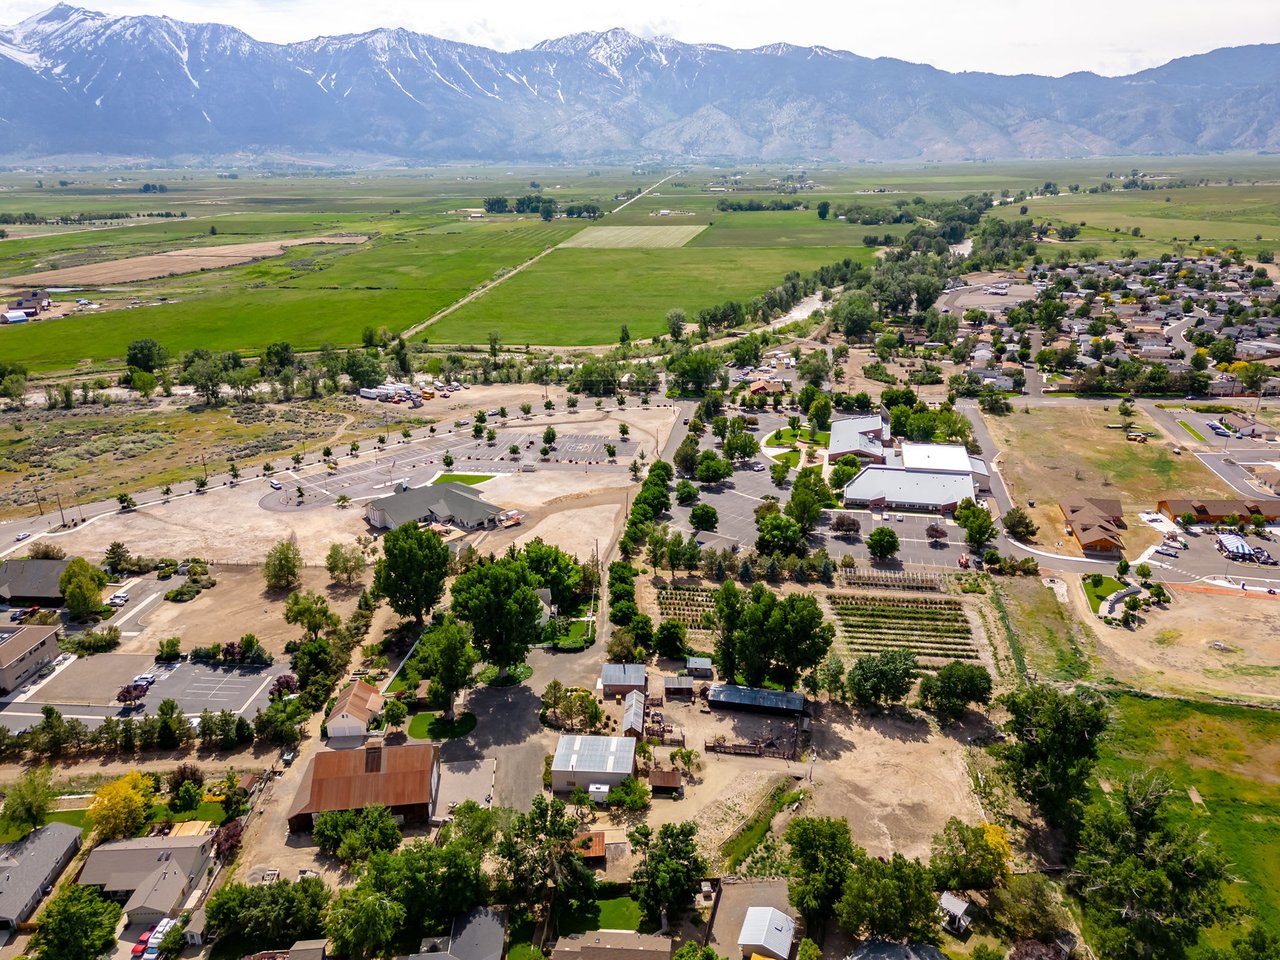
700	667
730	696
677	686
357	704
766	932
954	912
619	679
633	715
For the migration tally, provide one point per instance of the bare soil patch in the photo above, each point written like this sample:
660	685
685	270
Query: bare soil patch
1206	642
169	263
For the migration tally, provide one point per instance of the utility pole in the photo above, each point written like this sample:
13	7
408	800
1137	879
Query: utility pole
60	513
39	505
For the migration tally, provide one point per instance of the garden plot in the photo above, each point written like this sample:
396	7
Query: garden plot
933	628
687	605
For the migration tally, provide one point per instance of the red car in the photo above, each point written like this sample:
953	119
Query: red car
140	947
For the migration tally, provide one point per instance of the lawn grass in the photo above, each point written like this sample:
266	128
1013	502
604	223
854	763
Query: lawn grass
520	939
517	674
790	457
1229	754
471	479
433	726
1098	594
206	811
786	437
743	843
583	297
77	818
613	913
1192	430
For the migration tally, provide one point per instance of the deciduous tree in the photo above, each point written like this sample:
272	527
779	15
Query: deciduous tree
412	570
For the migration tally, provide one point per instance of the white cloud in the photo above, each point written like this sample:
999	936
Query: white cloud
1002	36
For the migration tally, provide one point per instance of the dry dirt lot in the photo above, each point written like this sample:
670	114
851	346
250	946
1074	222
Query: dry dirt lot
166	264
239	604
896	781
855	382
1086	459
224	524
1209	640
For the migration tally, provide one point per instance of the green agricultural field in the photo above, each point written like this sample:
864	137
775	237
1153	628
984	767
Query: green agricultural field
307	296
1230	756
789	228
581	297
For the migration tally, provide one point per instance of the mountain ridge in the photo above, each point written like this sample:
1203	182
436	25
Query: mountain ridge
166	89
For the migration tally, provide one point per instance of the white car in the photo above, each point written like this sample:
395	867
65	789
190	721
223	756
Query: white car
757	468
22	536
145	678
276	485
899	518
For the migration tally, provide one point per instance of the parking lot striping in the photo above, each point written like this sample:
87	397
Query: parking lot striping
254	696
138	607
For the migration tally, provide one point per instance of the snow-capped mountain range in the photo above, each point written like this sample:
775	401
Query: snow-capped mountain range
76	82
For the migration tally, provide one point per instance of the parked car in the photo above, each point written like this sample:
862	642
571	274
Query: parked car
289	757
118	599
1166	552
276	485
146	679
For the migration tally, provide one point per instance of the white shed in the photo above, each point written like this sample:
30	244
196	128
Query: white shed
768	932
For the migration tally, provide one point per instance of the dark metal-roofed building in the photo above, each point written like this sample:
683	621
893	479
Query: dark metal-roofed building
32	582
619	679
449	503
732	697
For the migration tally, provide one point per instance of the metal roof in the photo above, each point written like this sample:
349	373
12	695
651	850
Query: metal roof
633	712
579	754
727	694
32	579
622	675
396	776
698	663
909	488
768	928
444	500
944	457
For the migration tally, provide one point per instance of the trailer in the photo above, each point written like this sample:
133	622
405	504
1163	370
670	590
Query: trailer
369	393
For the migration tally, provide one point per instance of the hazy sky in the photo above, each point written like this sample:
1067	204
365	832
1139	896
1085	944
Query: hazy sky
1003	36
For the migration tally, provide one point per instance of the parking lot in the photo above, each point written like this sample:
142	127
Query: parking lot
86	689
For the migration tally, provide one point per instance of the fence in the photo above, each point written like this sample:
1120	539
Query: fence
894	581
789	752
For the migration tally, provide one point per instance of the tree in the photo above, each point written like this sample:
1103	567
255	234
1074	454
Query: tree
395	713
1055	746
676	320
77	923
953	687
883	679
282	569
882	544
127	502
843	523
411	571
363	922
778	534
120	808
1018	524
821	853
497	598
824	208
311	611
670	640
979	529
1028	907
145	355
1149	885
703	517
345	562
820	413
28	801
207	376
451	661
541	860
780	638
666	880
966	857
727	617
891	900
81	584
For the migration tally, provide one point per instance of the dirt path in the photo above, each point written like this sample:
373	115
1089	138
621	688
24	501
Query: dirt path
417	328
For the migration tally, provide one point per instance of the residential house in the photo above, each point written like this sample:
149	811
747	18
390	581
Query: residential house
153	876
404	778
479	934
1248	427
455	504
614	945
595	764
766	932
699	667
356	706
31	866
